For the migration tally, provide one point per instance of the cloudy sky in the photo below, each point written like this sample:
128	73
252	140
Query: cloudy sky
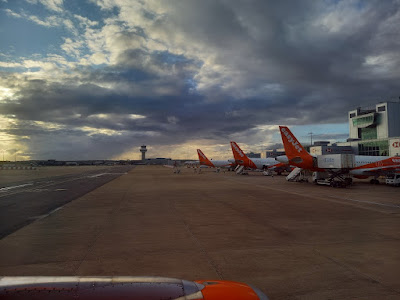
84	79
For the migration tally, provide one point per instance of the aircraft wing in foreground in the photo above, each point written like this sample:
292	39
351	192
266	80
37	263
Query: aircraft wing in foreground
124	288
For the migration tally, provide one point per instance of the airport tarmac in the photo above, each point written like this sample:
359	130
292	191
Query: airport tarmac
12	177
292	240
29	195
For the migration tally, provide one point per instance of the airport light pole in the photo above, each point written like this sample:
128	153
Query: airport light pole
311	133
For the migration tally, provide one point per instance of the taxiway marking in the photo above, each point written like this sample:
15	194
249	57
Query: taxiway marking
325	198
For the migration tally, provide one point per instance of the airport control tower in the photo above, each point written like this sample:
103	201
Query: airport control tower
143	150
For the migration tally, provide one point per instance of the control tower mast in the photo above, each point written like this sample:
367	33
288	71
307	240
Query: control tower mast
143	150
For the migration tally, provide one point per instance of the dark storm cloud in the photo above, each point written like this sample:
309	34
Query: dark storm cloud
227	67
286	42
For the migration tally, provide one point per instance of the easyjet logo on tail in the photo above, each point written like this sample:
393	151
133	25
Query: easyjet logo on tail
291	139
237	149
201	154
203	159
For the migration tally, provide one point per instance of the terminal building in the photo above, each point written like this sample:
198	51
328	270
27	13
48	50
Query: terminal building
324	147
274	153
253	155
375	130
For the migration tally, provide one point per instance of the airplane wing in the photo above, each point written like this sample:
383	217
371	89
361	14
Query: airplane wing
124	287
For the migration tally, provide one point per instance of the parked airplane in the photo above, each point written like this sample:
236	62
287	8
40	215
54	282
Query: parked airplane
191	163
365	166
214	163
267	164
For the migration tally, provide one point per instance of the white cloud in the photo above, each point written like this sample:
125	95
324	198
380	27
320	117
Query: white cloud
343	17
51	21
116	117
10	146
98	59
6	93
135	116
4	64
383	65
70	26
54	5
103	131
172	120
72	47
48	125
85	21
13	13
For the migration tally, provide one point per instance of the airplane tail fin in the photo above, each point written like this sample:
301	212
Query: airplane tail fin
240	157
238	154
294	150
203	159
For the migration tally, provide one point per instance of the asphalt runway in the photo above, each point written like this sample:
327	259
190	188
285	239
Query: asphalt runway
22	202
291	240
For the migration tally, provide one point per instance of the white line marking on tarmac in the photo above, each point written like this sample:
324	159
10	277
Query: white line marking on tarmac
325	198
50	184
369	202
102	174
37	218
6	189
38	190
96	175
343	200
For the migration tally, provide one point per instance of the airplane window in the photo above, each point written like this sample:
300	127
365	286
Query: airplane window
381	108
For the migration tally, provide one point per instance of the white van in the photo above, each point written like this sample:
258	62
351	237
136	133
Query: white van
393	179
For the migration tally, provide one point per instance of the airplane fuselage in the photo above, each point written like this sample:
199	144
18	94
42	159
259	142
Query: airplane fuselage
262	163
221	163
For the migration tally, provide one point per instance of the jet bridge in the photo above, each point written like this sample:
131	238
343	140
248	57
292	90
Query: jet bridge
334	170
336	161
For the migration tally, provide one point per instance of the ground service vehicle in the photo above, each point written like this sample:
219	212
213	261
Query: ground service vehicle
393	179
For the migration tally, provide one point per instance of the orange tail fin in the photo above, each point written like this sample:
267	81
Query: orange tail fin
203	159
295	152
240	157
